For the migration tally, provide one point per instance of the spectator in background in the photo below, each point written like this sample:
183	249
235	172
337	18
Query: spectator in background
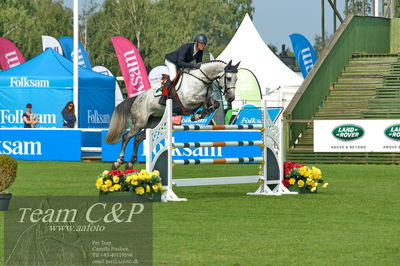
68	114
30	119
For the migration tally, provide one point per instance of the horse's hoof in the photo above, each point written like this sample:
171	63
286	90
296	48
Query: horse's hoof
195	117
115	165
128	166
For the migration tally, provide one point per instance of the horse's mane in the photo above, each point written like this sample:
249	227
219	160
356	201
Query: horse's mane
213	61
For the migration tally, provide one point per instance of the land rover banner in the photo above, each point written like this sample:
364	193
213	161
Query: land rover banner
357	135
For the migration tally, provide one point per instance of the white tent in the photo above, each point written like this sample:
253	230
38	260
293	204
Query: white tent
248	47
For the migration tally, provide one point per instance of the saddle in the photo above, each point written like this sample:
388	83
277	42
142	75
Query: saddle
171	93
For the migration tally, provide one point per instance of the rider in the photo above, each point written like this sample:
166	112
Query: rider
182	58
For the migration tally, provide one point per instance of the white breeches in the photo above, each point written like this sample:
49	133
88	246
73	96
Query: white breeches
172	69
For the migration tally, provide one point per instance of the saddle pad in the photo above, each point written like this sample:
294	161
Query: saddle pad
157	92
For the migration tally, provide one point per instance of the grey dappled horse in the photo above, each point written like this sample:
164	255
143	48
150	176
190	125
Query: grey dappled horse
145	111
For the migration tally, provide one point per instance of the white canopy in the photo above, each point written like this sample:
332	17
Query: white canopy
248	47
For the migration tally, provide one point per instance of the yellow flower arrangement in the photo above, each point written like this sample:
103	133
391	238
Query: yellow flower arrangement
108	183
140	182
139	190
303	177
99	183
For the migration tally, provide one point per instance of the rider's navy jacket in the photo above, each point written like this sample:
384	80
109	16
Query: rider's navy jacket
184	55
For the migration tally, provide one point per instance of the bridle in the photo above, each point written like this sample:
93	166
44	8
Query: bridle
226	89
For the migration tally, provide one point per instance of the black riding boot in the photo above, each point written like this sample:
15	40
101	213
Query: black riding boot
163	99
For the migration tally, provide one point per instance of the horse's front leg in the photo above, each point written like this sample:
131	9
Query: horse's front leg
138	139
209	107
214	105
203	113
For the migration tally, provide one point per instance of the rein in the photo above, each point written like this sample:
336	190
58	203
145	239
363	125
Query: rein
210	81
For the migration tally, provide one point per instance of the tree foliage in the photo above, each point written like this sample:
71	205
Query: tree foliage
159	27
155	27
24	22
358	7
318	47
397	8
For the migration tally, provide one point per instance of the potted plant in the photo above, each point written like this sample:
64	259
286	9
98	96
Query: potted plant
8	173
130	185
302	178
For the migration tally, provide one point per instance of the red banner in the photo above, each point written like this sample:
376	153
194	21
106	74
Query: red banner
132	66
10	56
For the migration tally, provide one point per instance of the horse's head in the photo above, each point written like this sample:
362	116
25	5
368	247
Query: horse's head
228	81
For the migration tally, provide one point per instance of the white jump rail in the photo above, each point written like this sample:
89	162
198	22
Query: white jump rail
91	130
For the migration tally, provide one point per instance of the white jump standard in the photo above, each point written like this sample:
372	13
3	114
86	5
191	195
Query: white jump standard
271	160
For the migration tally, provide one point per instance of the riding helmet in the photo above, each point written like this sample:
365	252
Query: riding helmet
201	38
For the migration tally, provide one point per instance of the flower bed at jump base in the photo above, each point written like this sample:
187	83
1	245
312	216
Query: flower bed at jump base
131	185
302	178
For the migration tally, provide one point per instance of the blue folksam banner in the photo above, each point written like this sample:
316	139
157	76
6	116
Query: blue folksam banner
111	152
41	144
253	115
304	53
67	43
12	106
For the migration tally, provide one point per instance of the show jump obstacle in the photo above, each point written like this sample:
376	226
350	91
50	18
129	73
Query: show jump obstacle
271	160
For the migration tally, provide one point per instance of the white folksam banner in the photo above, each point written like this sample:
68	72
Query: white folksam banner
357	135
105	71
50	42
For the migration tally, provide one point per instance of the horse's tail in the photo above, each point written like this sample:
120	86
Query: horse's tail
119	121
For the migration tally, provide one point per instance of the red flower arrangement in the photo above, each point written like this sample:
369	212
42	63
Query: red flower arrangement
285	182
120	173
288	166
